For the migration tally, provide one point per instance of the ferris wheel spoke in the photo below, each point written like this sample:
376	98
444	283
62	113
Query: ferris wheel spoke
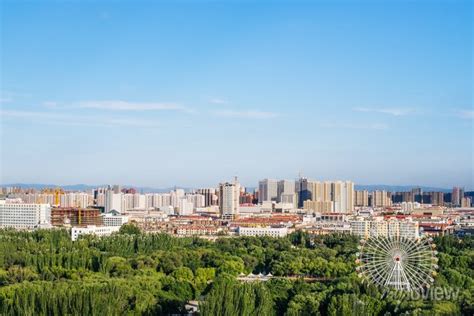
381	244
418	278
419	254
422	271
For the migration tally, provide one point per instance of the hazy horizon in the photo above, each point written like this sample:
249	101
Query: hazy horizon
246	185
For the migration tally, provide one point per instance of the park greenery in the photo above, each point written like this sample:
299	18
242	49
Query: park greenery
133	273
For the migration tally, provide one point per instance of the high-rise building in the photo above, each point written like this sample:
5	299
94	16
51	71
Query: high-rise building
75	199
116	188
185	207
417	195
113	201
456	196
361	198
380	199
466	202
210	197
399	197
435	198
229	194
197	200
285	187
304	191
340	193
268	190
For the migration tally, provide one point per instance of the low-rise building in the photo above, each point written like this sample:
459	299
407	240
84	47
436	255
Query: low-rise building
263	231
196	230
326	228
24	216
114	218
385	228
93	230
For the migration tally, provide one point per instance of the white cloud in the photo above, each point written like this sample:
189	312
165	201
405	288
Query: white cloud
388	111
50	104
371	126
57	118
250	114
466	114
218	101
118	105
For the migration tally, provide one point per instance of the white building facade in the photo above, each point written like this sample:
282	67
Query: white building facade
24	216
263	231
229	194
93	230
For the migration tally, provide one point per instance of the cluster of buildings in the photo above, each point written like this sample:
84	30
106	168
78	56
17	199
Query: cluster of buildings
275	208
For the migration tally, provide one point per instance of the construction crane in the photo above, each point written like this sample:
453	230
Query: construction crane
57	194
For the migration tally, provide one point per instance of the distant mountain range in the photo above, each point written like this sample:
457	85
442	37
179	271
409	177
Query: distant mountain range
84	187
399	188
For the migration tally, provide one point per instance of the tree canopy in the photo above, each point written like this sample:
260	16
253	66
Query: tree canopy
45	273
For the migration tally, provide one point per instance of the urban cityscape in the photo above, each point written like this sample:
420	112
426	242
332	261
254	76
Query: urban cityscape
274	208
236	158
310	214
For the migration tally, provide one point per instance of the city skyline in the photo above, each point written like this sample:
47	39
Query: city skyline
194	94
248	186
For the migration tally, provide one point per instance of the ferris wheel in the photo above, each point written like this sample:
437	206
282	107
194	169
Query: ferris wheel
406	264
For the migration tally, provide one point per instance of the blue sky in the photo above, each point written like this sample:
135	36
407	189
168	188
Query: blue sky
191	94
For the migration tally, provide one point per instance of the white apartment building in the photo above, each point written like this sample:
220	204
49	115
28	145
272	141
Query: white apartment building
139	201
93	230
385	228
127	202
176	196
157	200
343	196
210	197
100	199
185	207
76	199
114	219
360	228
198	200
289	198
340	194
113	201
229	194
409	207
408	229
263	231
380	199
24	216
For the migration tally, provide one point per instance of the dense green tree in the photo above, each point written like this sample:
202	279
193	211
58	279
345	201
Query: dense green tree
130	229
44	273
